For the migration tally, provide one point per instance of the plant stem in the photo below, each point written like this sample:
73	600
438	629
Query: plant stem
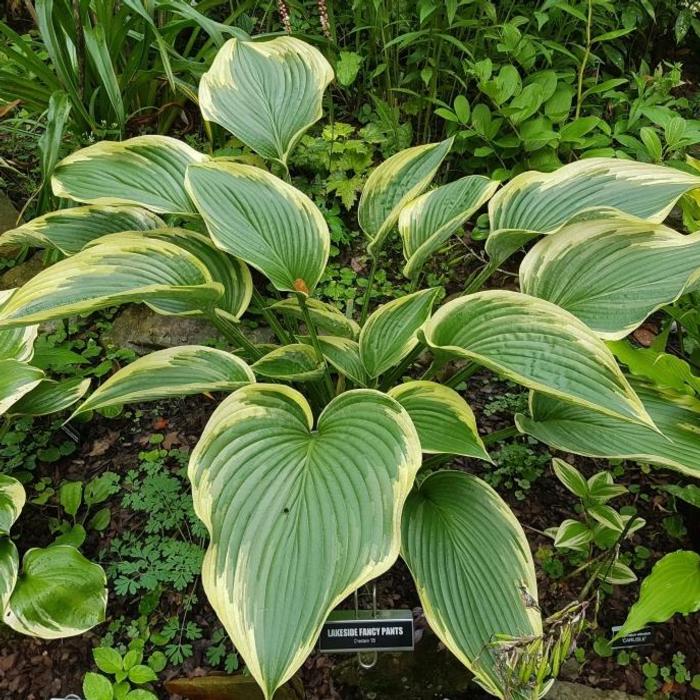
498	435
461	374
478	282
308	321
368	291
270	318
235	335
584	60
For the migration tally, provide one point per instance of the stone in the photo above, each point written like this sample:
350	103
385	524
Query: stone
563	690
19	274
8	214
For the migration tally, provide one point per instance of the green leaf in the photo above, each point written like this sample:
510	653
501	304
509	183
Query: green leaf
344	355
347	67
59	594
473	569
50	397
140	694
16	343
70	496
147	171
576	429
389	334
689	493
281	502
672	587
606	516
251	88
570	477
16	380
141	674
535	203
294	363
261	219
652	142
180	371
107	659
536	344
444	420
9	568
97	687
572	534
12	500
113	273
98	48
325	316
601	487
69	230
646	267
393	184
426	223
618	574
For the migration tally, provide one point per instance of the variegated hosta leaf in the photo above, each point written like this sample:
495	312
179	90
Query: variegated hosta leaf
9	568
426	223
393	184
576	429
58	594
70	230
12	500
536	344
50	397
266	93
293	363
16	343
389	334
344	355
180	371
112	273
16	380
537	203
261	219
325	316
611	273
444	420
292	528
473	569
147	171
672	587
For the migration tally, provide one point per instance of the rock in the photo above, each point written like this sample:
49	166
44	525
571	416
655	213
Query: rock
19	274
8	214
563	690
431	671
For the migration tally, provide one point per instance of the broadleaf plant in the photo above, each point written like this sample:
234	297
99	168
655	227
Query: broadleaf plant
311	490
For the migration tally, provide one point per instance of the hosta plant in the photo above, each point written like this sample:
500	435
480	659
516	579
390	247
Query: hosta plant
311	475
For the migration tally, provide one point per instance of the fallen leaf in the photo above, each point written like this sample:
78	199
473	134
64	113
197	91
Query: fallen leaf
101	445
8	107
170	440
160	423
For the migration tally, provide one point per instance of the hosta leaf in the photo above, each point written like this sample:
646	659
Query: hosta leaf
673	586
16	380
292	528
178	371
70	230
266	93
611	273
9	568
261	219
538	345
50	397
536	203
344	355
58	594
389	334
393	184
294	363
147	171
114	273
12	500
426	223
325	316
473	569
16	343
576	429
444	420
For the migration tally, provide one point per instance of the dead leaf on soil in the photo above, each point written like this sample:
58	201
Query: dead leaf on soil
101	445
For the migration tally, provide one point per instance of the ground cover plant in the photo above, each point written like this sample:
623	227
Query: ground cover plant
326	456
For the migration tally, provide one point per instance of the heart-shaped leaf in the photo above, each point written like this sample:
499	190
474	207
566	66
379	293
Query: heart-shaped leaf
147	171
292	528
646	267
473	569
538	345
266	93
344	355
535	203
58	594
293	363
261	219
9	569
426	223
180	371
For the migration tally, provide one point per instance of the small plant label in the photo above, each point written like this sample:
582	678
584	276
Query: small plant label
350	631
641	638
